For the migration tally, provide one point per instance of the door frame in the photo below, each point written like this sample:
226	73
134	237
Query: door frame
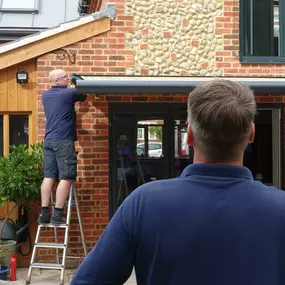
278	106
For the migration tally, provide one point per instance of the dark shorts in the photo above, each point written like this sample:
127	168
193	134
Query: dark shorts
60	161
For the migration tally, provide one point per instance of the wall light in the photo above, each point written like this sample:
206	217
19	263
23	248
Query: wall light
22	76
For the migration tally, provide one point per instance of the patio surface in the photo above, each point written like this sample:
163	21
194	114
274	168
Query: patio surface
49	277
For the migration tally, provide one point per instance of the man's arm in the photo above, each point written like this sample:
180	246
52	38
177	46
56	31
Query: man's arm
111	261
77	96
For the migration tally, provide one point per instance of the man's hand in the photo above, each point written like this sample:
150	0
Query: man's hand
72	86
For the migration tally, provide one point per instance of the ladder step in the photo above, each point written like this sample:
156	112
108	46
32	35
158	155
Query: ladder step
47	265
52	226
50	245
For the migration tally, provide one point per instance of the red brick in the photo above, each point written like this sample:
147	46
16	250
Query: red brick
167	34
144	46
145	32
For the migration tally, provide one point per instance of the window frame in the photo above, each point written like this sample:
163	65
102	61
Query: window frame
20	10
6	129
243	33
142	133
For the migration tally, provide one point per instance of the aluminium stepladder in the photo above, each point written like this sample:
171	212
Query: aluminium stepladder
59	266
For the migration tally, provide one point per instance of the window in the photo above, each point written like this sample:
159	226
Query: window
140	133
151	143
16	129
19	129
262	37
19	5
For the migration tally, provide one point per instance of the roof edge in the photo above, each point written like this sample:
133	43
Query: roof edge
109	12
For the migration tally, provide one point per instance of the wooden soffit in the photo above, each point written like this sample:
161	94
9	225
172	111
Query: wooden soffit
54	42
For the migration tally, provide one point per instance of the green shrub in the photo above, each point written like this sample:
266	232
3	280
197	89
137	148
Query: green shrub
21	174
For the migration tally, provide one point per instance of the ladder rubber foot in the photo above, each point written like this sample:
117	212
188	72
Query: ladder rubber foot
28	282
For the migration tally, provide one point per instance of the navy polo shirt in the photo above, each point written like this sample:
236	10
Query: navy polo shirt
60	113
214	225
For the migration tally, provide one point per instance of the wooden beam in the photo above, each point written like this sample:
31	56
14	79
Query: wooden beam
6	135
57	41
3	90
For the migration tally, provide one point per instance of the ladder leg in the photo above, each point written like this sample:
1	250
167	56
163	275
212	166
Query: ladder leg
68	216
80	221
33	255
55	229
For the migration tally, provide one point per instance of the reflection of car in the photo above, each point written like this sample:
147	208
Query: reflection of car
154	149
184	146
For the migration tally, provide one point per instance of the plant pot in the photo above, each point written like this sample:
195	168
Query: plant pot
3	272
11	246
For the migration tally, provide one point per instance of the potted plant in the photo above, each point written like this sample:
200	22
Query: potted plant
3	268
21	175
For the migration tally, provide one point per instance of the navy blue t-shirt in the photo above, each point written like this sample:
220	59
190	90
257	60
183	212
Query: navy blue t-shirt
60	113
214	225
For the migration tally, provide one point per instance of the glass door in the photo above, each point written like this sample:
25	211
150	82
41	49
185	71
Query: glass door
263	156
140	138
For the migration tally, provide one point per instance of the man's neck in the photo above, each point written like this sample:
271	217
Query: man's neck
198	158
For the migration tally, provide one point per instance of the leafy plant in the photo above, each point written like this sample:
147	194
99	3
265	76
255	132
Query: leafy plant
21	175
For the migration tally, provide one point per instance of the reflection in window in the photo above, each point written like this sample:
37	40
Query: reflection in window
1	136
180	132
19	129
129	175
150	145
140	133
183	153
276	29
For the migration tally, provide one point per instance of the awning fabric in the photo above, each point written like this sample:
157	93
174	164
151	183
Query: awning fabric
168	85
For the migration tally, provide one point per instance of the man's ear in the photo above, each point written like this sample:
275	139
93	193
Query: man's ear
252	133
190	136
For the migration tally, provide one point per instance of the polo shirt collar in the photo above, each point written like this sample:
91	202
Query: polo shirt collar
59	87
221	170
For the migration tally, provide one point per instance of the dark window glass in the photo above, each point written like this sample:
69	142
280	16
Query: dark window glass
262	33
19	129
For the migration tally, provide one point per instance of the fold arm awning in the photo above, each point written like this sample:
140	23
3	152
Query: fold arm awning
167	85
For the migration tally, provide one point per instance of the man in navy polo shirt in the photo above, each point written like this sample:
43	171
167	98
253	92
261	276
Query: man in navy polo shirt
214	225
60	160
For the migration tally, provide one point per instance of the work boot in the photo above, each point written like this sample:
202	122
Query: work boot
44	218
58	219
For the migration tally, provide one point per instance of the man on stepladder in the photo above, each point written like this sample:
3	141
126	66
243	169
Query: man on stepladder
60	160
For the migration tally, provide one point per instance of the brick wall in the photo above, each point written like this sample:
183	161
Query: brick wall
108	54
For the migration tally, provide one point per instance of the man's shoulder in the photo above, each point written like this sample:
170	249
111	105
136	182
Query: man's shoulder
270	190
46	92
158	186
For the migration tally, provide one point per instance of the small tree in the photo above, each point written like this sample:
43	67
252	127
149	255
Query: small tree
21	175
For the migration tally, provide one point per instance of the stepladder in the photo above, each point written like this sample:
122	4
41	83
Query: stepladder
60	241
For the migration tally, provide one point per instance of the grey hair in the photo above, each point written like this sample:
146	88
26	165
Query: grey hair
221	113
